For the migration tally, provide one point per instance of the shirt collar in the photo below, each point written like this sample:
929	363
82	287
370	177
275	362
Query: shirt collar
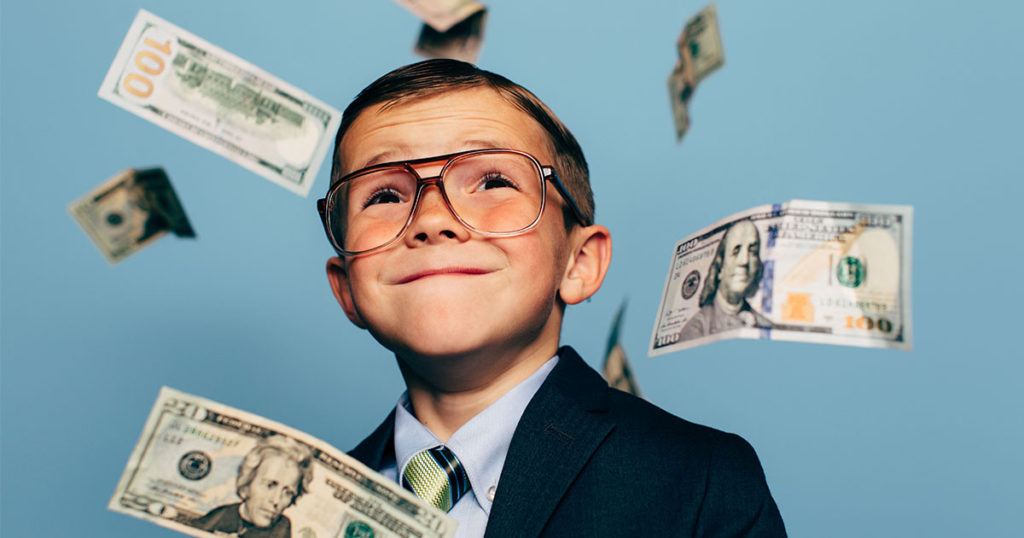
480	444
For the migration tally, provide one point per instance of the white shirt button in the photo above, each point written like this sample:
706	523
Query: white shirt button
490	493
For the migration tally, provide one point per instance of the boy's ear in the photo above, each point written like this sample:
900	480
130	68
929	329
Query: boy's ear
337	275
588	263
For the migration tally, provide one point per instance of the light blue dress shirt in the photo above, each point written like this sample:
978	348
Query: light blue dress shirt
480	444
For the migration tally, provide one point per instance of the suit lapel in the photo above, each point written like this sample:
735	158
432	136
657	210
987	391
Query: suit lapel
560	429
371	451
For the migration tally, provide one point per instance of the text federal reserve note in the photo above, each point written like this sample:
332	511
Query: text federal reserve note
220	102
129	211
826	272
207	469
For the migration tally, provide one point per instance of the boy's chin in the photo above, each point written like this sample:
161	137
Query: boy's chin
440	347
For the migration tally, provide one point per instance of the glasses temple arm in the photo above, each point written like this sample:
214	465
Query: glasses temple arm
560	187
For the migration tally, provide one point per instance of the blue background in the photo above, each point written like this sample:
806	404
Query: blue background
872	101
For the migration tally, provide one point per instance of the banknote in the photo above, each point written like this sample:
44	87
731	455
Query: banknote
441	15
129	211
826	272
617	370
460	42
702	41
220	102
207	469
680	88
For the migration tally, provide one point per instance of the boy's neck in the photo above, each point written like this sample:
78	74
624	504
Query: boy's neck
447	392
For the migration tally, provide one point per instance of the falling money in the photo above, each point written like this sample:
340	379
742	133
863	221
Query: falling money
214	99
826	272
129	211
700	53
441	15
617	370
460	42
192	469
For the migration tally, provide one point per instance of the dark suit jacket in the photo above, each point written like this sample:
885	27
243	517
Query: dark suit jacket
588	460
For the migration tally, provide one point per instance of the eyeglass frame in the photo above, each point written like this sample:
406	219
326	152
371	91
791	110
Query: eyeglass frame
547	173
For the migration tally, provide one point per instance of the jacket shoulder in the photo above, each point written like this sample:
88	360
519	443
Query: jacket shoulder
720	468
638	416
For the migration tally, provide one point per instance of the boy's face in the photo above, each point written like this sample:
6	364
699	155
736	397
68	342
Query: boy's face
441	289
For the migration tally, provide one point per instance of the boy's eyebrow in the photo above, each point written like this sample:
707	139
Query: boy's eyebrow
383	157
389	155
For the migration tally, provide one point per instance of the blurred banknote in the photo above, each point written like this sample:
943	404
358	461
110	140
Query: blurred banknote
441	15
130	210
207	469
702	42
220	102
825	272
460	42
617	370
680	89
700	52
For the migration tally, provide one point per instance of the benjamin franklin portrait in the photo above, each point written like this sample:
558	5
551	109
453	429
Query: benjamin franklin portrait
732	278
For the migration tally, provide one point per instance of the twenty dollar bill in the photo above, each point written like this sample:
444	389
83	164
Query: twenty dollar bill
220	102
207	469
825	272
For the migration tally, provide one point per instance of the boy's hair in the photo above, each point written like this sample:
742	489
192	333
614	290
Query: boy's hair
432	77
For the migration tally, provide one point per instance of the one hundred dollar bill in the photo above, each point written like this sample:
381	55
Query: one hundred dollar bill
441	15
220	102
702	42
206	469
460	42
826	272
129	211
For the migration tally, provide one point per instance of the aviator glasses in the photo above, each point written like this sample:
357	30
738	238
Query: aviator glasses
494	192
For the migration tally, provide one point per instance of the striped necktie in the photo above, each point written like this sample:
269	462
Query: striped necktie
436	476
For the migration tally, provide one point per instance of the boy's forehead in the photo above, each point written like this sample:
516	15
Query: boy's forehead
440	123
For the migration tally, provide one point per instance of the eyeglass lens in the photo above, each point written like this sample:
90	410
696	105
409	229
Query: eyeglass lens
490	192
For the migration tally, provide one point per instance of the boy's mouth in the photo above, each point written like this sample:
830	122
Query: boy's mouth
442	271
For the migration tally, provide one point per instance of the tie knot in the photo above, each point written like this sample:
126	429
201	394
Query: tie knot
436	476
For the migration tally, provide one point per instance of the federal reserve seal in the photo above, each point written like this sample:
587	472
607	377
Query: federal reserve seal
194	465
690	284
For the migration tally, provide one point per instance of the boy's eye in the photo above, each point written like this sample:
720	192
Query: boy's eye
384	195
496	180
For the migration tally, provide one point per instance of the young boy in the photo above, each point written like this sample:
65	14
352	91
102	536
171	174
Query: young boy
461	210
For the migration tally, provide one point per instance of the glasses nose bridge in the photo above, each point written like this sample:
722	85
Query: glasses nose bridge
422	182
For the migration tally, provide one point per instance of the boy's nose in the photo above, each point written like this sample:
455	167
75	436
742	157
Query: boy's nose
433	220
